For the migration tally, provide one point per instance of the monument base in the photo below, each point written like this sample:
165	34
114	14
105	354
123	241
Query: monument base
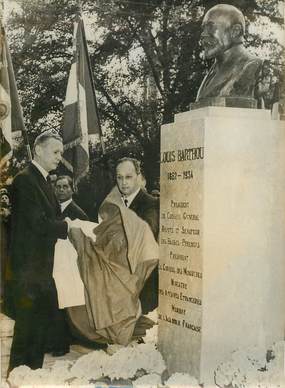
232	102
222	227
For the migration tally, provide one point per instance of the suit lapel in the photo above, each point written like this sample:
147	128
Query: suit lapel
44	187
135	204
68	209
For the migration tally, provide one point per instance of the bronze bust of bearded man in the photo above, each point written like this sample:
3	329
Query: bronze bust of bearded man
234	76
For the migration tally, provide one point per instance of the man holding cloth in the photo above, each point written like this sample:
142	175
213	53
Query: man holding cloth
35	229
128	177
117	261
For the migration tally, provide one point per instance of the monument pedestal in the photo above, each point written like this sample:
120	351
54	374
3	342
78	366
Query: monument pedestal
222	237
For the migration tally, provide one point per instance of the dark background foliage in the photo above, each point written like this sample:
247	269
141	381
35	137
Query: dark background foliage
147	66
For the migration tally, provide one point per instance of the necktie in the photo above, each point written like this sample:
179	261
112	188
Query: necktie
49	181
126	202
50	191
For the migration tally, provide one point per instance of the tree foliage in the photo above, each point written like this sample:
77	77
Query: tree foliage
145	56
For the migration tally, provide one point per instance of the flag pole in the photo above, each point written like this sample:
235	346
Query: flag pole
80	116
4	46
27	145
79	14
24	131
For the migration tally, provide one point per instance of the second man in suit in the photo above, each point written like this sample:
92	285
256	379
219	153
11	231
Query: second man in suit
128	177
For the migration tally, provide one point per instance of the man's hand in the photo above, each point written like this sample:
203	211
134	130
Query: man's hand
69	223
86	227
73	223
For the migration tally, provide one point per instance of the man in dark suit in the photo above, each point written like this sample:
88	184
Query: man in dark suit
128	177
64	191
35	229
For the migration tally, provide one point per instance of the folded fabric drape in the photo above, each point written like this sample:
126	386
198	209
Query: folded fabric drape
113	270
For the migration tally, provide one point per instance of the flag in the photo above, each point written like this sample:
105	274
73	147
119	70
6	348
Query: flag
11	117
80	112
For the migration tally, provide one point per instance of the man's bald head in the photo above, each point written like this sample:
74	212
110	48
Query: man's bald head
226	13
223	27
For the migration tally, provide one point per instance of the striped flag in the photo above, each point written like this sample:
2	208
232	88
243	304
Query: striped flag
11	117
80	113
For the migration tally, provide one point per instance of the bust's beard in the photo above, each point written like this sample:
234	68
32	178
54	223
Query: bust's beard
219	49
214	52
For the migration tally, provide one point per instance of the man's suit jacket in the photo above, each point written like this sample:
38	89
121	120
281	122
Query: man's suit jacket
35	229
147	208
73	211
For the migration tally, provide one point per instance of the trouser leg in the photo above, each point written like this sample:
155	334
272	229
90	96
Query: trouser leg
21	339
58	332
38	339
30	331
149	293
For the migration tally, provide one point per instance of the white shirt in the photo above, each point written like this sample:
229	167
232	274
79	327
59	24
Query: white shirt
130	198
41	169
63	205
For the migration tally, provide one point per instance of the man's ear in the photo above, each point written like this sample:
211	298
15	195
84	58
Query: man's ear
37	150
236	32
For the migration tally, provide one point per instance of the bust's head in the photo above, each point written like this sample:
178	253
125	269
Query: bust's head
223	27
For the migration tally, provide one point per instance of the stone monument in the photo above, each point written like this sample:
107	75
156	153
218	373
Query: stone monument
222	227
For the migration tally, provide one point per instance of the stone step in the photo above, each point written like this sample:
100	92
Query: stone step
4	366
6	346
6	326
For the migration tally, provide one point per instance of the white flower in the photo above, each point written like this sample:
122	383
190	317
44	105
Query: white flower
125	362
114	348
178	380
17	375
147	381
23	375
81	383
60	371
248	368
121	364
153	315
151	335
90	366
4	384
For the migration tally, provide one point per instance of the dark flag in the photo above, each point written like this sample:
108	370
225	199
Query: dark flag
80	114
11	117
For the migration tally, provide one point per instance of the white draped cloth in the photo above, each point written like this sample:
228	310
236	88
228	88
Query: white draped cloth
70	288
